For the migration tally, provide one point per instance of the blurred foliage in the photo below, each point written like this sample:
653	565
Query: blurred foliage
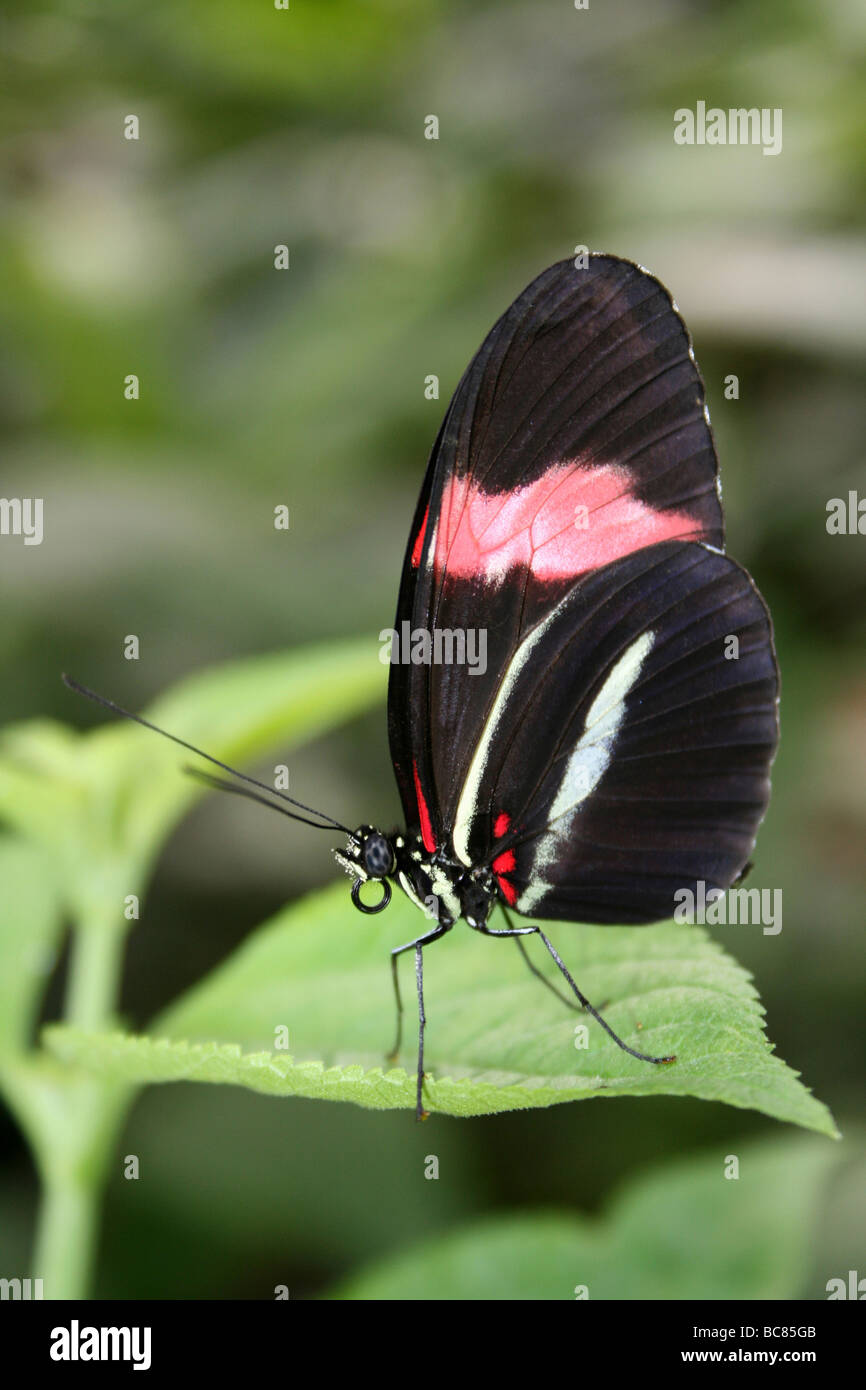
694	1229
89	836
305	127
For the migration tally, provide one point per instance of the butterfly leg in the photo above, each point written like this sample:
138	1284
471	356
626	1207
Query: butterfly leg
584	1002
570	1003
417	946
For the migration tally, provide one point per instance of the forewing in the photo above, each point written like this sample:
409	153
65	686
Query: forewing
578	435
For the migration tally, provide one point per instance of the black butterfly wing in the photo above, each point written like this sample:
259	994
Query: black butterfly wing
577	436
627	754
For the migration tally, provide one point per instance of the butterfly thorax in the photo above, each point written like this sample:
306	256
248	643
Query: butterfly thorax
437	883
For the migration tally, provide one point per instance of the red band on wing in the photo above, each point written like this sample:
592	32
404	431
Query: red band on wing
419	541
509	892
570	520
423	814
505	862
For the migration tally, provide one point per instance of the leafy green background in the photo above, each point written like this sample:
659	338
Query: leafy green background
686	1226
306	389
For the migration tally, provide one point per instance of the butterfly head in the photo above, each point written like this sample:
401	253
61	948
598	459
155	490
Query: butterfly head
368	855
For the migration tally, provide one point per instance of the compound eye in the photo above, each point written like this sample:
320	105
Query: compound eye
378	856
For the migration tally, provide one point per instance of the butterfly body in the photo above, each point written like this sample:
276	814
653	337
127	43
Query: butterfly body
437	884
614	745
604	741
617	745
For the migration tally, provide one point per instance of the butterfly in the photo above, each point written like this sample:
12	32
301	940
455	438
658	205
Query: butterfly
614	744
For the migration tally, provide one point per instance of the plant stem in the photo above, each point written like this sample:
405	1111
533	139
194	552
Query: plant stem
94	974
66	1236
76	1122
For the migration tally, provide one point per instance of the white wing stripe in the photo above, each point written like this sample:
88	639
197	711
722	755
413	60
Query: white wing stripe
587	764
466	807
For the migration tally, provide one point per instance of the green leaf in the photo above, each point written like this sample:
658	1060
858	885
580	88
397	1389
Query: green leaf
105	801
38	771
496	1039
30	925
683	1232
236	713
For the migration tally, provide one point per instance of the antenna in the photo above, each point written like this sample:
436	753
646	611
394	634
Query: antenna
324	822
